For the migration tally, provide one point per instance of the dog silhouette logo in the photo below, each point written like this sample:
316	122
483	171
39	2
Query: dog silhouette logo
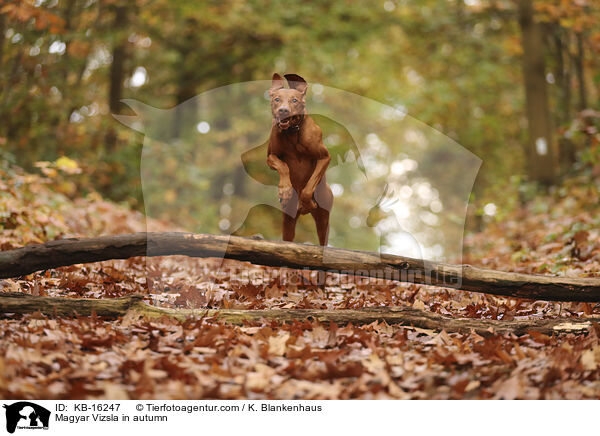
26	415
401	187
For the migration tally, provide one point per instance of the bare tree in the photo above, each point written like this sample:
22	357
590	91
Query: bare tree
540	149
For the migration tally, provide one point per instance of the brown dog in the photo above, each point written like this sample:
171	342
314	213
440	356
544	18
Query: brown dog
297	153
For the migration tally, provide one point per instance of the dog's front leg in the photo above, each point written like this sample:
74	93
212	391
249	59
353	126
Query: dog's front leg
306	196
285	185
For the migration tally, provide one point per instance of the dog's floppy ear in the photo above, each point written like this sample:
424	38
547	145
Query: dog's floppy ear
277	83
296	82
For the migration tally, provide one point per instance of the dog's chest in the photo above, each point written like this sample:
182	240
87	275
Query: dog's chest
300	163
294	146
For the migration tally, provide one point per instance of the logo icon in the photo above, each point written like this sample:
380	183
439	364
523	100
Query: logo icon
26	415
400	187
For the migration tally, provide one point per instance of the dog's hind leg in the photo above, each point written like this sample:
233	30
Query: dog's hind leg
323	195
321	217
289	227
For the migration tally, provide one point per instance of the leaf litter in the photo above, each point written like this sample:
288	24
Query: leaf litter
135	358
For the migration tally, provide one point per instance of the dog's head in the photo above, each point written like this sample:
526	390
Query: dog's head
288	105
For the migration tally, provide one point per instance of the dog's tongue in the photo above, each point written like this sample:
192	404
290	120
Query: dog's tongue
284	123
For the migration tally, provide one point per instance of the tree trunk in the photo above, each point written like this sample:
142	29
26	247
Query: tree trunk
15	302
26	260
580	72
117	71
187	78
69	13
541	153
3	72
566	147
563	73
2	31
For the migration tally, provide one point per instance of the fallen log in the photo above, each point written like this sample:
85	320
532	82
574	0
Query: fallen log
64	252
112	308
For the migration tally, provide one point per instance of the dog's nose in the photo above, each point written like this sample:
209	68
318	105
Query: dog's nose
284	111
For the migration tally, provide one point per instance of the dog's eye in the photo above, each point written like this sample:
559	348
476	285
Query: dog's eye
294	100
277	99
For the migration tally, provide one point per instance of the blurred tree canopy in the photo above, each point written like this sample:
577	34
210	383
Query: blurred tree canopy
457	65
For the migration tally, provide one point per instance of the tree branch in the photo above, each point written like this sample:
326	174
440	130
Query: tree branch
26	260
15	302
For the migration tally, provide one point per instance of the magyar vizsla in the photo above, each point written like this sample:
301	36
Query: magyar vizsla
297	153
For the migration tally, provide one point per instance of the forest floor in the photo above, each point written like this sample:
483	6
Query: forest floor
134	358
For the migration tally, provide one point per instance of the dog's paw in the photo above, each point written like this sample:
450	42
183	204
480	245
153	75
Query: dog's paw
285	194
307	204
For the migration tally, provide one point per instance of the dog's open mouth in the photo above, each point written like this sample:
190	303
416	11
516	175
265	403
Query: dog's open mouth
286	123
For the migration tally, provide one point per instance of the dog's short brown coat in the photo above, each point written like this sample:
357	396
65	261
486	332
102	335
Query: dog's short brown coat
297	153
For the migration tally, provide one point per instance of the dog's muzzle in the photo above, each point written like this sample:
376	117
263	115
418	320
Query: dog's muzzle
289	123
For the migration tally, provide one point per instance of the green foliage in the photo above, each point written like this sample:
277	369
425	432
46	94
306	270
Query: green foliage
452	65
